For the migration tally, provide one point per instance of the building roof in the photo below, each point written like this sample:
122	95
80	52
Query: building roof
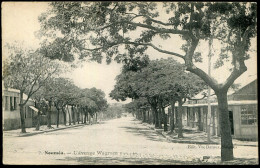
249	80
13	90
200	95
231	102
18	91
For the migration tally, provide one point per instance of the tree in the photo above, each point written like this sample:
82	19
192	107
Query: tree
160	82
74	100
113	111
46	93
140	106
28	71
130	107
115	23
98	96
41	104
63	93
92	101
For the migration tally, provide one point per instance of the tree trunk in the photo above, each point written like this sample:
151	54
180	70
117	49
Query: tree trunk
69	115
214	124
225	130
64	115
144	118
156	122
165	120
82	115
152	116
23	130
73	115
180	135
85	117
96	117
49	115
177	117
58	117
160	118
172	116
78	114
169	115
89	118
38	121
148	116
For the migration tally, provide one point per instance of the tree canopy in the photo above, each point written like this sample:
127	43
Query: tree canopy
27	70
164	77
125	30
98	29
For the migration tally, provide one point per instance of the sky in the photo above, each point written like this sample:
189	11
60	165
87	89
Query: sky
19	22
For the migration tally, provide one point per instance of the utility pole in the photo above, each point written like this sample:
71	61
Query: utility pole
209	89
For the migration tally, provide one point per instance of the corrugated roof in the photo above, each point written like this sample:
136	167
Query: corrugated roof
250	79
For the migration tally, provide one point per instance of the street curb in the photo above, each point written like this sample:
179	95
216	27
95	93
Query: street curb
51	130
168	138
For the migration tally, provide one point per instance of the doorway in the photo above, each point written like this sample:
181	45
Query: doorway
231	122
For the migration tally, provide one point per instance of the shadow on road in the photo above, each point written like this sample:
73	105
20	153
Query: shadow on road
125	161
152	161
148	133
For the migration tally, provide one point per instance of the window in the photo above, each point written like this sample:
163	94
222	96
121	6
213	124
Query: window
15	103
11	104
6	103
248	115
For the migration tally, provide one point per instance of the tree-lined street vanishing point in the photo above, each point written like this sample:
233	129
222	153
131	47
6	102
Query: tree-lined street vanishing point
182	64
119	141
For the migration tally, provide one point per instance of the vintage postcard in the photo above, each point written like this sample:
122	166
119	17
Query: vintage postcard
129	83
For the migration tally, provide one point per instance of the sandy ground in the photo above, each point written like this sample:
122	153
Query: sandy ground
118	141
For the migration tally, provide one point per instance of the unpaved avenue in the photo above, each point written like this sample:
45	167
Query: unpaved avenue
118	141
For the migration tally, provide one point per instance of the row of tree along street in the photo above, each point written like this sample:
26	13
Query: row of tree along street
38	76
156	85
123	31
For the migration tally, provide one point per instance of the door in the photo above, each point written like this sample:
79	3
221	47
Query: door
231	122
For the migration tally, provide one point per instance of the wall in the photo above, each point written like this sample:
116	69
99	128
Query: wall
10	124
11	116
248	92
243	131
7	112
54	117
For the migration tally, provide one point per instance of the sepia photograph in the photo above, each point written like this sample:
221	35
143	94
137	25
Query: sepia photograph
129	83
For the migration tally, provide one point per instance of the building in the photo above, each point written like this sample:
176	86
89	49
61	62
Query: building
11	110
242	106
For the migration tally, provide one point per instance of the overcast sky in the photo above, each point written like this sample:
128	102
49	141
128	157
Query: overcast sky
19	22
